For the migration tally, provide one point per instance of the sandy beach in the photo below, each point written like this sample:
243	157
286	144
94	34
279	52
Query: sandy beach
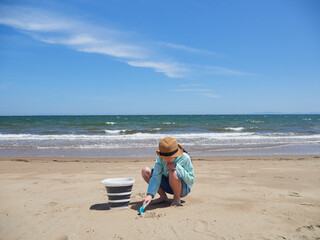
253	197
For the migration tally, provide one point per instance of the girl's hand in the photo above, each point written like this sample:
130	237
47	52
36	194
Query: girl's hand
147	200
171	166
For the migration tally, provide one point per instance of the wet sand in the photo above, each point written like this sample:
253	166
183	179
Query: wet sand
276	197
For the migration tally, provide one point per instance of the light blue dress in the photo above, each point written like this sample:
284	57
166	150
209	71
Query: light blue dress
183	167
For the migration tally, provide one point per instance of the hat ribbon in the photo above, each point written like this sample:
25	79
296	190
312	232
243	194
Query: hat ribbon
169	153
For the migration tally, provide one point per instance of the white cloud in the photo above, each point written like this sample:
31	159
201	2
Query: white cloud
84	37
74	40
90	44
31	19
169	69
186	48
210	95
81	36
225	71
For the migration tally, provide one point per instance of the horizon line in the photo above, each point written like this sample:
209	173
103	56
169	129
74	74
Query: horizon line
166	114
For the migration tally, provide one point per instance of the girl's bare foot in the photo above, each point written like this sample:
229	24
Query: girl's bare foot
176	203
159	200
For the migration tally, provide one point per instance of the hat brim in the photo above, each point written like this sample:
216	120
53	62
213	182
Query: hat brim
177	154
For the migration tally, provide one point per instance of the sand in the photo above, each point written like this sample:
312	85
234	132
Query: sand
232	198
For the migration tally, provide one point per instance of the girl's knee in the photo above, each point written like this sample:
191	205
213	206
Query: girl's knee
173	175
146	171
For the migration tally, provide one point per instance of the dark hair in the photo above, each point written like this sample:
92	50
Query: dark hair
185	151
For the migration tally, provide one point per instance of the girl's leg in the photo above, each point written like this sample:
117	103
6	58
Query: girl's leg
175	184
146	175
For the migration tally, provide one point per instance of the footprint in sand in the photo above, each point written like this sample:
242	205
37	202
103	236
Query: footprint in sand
117	237
152	215
207	228
201	226
64	237
294	194
149	215
308	232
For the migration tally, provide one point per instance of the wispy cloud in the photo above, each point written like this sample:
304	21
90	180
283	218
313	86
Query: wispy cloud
169	69
31	19
50	28
225	71
90	38
91	44
210	95
186	48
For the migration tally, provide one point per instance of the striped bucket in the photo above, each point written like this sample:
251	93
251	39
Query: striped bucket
119	191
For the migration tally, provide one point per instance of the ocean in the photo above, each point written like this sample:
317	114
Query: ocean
138	135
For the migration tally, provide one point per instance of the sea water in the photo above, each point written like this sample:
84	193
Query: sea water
138	135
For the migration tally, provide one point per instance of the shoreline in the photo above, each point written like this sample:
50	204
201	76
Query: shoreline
149	152
147	159
252	197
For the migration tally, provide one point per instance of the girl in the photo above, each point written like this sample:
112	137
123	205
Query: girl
173	173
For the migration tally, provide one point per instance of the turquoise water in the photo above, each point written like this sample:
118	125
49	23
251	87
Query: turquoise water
138	136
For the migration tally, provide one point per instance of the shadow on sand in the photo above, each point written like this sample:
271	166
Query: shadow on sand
100	207
132	205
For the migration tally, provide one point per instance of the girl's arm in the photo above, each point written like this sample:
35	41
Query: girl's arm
185	169
155	180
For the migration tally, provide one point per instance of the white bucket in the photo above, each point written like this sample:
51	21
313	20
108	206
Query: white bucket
119	191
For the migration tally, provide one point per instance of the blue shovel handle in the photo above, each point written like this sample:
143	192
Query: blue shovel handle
142	209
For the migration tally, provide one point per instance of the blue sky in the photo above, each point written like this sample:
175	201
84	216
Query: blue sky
159	57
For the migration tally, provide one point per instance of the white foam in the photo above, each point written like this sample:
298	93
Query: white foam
235	128
151	136
112	131
110	123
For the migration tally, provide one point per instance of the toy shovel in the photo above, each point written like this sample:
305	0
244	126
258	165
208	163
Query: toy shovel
142	209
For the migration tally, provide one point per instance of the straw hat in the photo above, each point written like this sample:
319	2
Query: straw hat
169	147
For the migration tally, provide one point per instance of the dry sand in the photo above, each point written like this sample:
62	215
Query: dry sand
232	198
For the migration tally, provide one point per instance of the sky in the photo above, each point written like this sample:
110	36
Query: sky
64	57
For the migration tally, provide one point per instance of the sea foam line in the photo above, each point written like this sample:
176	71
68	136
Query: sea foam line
110	123
150	136
234	128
